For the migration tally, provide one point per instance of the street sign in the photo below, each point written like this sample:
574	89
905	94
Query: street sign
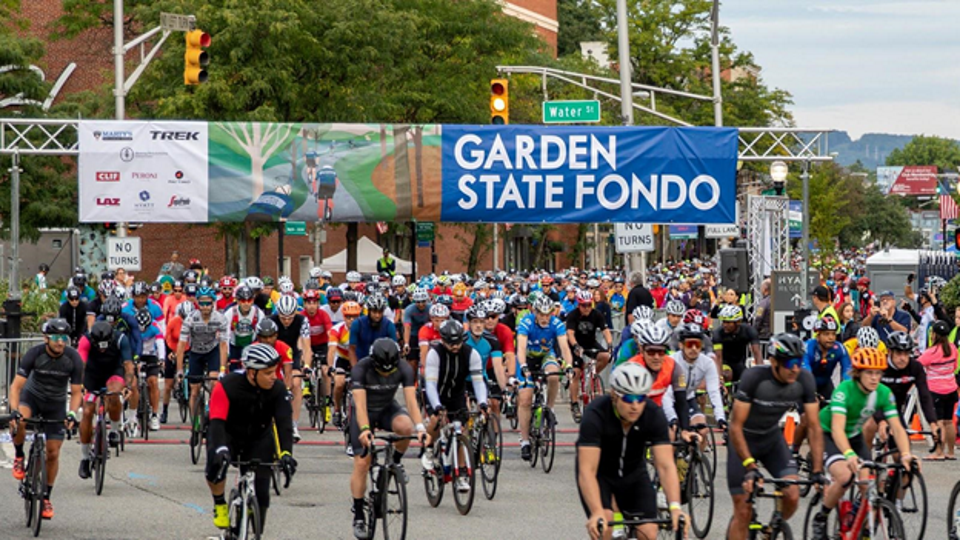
571	112
683	232
722	231
124	253
425	232
633	237
786	289
176	22
295	228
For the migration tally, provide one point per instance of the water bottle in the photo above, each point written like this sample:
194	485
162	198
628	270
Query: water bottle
444	460
537	415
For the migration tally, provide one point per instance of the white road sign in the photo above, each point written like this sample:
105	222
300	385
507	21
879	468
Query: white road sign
124	253
722	231
634	237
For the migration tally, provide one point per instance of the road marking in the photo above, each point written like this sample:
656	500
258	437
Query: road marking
198	508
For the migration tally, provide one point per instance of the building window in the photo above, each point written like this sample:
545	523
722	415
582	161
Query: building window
57	243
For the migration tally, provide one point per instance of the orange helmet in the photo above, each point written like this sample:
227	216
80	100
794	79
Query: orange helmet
869	358
351	309
460	289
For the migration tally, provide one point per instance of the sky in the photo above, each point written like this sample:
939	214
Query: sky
862	66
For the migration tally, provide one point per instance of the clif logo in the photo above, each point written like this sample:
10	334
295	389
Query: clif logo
108	201
178	202
108	176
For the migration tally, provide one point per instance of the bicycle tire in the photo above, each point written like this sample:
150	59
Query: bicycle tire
491	446
464	501
144	413
953	520
712	442
891	523
782	531
183	404
371	515
698	486
323	407
914	509
102	450
252	519
433	482
548	429
26	486
39	484
196	432
275	478
814	507
394	489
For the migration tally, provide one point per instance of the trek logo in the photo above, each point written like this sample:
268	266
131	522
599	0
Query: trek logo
108	201
108	176
178	202
175	135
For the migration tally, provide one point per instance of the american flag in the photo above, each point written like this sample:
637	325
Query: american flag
948	207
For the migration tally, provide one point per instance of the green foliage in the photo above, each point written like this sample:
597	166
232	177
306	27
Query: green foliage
950	295
579	21
924	150
45	304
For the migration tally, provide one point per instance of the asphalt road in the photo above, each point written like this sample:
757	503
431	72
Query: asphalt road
153	491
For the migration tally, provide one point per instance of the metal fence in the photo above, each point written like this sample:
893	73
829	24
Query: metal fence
11	350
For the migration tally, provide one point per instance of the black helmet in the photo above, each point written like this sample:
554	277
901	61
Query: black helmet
44	267
385	353
900	341
690	331
140	288
111	308
451	332
73	293
56	327
101	334
786	347
267	328
243	293
144	319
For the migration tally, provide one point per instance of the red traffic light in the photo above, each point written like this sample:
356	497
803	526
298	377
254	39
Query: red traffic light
497	88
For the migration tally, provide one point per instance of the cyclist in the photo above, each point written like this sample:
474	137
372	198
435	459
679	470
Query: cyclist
448	367
867	338
375	380
106	353
141	300
173	300
429	333
697	317
538	334
294	330
642	314
695	369
172	339
338	346
74	311
822	358
853	403
40	389
583	324
268	334
940	361
415	316
206	332
244	408
765	394
334	303
370	327
733	339
494	308
228	285
151	353
400	299
320	325
126	322
675	311
615	433
242	320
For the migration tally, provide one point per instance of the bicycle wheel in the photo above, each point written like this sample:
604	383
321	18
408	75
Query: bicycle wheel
783	531
38	483
953	519
251	523
101	451
887	524
700	497
143	413
196	435
433	481
276	478
488	459
712	449
833	522
596	387
182	403
371	510
394	501
548	441
464	500
913	508
25	486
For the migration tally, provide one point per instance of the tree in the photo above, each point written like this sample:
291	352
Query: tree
928	150
579	21
878	218
830	191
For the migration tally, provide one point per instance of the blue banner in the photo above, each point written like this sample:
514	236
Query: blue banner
582	174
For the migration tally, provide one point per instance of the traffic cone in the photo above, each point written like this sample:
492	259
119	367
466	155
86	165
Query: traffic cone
915	426
789	427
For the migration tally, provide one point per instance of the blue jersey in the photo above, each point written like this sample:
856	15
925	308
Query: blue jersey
152	306
152	337
822	365
362	334
488	348
540	340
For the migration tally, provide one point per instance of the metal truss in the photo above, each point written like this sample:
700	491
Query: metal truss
39	137
768	239
784	144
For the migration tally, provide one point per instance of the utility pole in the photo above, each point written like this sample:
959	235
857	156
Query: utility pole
626	99
805	177
11	306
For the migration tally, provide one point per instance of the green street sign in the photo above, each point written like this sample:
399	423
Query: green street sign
295	228
571	112
425	231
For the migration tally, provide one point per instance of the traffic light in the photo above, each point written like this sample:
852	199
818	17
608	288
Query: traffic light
956	239
499	101
196	58
110	227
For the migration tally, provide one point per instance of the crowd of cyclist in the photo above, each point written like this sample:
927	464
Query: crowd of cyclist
442	337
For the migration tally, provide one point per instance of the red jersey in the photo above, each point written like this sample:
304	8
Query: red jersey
173	333
224	302
427	334
286	356
320	324
439	291
505	337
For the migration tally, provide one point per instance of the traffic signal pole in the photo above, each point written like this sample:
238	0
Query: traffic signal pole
626	105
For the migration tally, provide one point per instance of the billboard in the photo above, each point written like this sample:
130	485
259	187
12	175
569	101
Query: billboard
156	171
908	180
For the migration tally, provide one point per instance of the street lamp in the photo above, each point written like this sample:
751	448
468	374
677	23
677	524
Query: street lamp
778	171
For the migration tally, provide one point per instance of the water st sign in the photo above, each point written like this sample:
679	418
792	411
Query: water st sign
571	112
295	228
124	253
633	237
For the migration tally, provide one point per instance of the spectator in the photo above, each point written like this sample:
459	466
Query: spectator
930	311
40	280
886	318
761	319
387	263
866	297
823	301
940	361
173	268
848	323
638	296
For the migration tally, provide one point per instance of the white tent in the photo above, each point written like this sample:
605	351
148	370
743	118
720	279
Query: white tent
367	254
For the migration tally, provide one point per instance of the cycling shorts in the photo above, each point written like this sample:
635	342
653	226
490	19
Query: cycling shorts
382	420
832	453
48	410
771	452
320	356
170	367
151	365
693	408
634	494
201	364
535	364
263	449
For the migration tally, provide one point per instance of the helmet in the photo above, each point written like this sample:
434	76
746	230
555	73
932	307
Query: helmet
268	281
584	297
353	276
868	338
543	304
56	327
827	324
120	292
267	327
254	283
444	279
654	335
316	272
80	280
496	305
459	289
286	305
44	267
868	358
243	292
312	295
499	295
439	311
385	353
786	346
631	379
476	311
111	308
228	281
675	307
518	300
863	282
73	293
101	334
690	331
593	283
106	287
694	316
184	309
140	288
206	291
156	287
286	287
326	274
636	329
334	294
445	299
398	281
190	289
376	302
900	341
420	295
451	332
643	312
284	279
311	285
351	309
730	313
144	319
260	356
480	284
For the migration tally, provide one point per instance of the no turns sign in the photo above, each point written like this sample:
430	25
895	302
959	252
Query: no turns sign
124	253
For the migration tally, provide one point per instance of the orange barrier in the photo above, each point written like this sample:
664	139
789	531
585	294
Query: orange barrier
916	426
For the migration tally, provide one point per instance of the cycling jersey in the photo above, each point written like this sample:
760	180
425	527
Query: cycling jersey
736	346
340	334
319	324
770	399
335	316
154	308
242	413
940	369
900	381
428	335
665	378
415	318
242	328
822	365
48	376
446	375
363	333
152	344
505	338
76	317
849	399
585	327
224	303
291	334
381	388
488	347
703	369
460	307
623	453
127	324
172	331
541	340
204	336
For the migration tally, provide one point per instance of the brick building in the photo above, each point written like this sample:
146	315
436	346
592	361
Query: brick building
85	63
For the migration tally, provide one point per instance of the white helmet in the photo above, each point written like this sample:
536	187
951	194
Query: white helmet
399	281
654	335
286	287
353	276
420	295
543	304
439	311
316	272
636	329
286	305
867	338
254	283
643	312
631	379
675	307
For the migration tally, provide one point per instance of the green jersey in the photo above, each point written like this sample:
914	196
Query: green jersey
850	400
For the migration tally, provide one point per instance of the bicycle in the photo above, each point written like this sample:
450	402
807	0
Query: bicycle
180	392
696	483
448	466
34	484
100	449
777	526
487	441
870	514
591	384
242	506
907	490
200	421
318	404
543	424
346	408
143	407
665	524
386	484
508	407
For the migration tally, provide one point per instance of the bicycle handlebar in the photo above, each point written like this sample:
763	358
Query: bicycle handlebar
663	523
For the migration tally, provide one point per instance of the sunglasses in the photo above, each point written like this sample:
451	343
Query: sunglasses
178	290
61	338
693	343
655	352
493	317
792	363
631	399
245	300
204	304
